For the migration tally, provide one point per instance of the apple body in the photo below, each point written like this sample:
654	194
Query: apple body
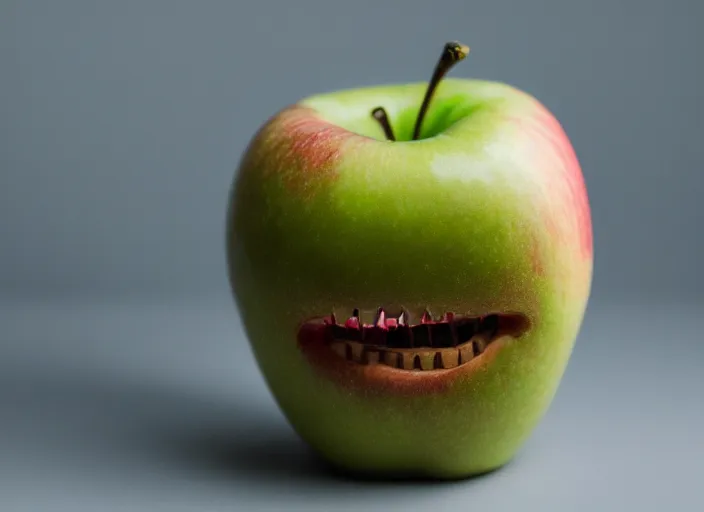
486	212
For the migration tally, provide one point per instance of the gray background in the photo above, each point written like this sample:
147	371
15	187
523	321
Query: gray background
126	381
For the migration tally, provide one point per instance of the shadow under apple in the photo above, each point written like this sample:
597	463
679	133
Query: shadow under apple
136	426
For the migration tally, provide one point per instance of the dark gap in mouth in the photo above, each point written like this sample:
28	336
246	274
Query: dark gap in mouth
416	363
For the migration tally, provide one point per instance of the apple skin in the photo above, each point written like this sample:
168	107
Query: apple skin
487	212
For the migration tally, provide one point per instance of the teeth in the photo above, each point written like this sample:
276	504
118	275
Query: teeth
450	358
426	318
403	318
339	347
371	357
380	320
393	359
466	353
426	359
410	359
419	359
356	349
407	360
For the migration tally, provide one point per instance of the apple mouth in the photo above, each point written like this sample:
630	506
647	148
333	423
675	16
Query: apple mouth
432	345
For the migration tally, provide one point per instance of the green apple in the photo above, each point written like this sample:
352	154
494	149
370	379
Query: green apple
412	278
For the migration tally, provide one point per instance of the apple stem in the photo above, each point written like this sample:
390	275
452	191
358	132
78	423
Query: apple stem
379	113
452	53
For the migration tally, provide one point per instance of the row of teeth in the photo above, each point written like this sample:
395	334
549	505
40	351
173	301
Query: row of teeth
382	319
411	359
396	332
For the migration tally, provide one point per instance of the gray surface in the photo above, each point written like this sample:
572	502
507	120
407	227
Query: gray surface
159	407
125	383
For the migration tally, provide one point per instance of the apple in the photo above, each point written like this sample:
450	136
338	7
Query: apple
412	274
